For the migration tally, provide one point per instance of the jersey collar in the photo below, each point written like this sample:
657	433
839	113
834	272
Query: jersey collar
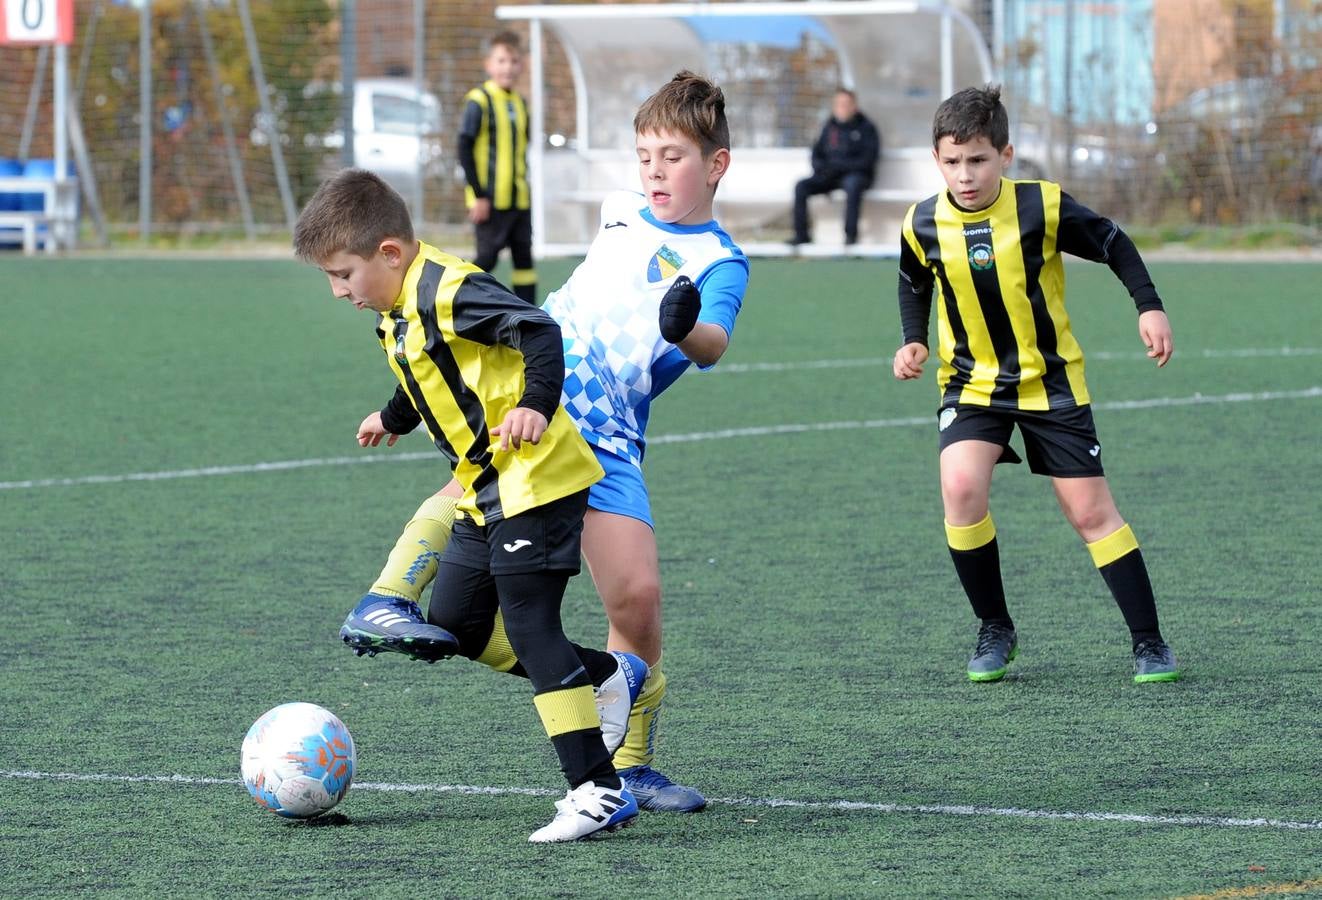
1005	196
652	220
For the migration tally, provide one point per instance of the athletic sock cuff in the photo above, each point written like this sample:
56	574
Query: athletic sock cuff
439	508
1115	545
971	537
570	709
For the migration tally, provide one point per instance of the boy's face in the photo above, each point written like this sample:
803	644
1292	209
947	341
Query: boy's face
504	65
972	170
678	182
368	283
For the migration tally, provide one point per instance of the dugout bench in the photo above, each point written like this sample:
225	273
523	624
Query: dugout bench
51	225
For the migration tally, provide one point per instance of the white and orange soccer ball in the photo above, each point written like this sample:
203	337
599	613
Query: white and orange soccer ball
298	760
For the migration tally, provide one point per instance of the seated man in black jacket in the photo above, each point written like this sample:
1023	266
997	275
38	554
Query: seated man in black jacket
845	156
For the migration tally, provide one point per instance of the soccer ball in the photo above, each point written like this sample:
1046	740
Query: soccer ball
298	760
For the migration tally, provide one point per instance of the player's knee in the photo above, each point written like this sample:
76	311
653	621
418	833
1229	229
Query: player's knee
1093	521
635	604
962	492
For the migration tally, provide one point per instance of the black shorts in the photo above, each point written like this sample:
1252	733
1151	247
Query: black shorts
503	228
1061	443
543	539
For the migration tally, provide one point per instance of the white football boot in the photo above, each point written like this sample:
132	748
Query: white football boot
616	697
589	810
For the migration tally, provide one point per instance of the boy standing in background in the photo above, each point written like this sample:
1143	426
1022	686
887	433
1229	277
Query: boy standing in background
493	150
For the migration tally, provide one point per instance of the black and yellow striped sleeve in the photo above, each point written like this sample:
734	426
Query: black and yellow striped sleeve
915	287
1090	236
470	129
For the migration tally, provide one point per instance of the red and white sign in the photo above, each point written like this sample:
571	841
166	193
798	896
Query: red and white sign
36	21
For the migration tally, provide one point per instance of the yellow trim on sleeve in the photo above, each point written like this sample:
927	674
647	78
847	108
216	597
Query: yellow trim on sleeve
523	276
971	537
1118	543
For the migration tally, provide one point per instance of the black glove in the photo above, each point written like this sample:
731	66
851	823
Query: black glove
679	310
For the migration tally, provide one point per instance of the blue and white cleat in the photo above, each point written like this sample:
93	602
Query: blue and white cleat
616	697
657	793
588	811
392	623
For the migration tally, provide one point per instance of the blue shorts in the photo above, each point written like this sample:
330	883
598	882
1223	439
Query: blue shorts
622	491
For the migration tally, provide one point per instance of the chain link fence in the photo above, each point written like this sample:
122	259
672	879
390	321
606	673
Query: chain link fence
1155	111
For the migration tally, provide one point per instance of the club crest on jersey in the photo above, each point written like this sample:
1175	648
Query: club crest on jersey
981	257
401	328
665	263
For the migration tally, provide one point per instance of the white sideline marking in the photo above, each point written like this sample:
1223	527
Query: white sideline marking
722	434
767	803
862	362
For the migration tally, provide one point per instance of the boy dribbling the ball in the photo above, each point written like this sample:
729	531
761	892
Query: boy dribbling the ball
483	370
1008	358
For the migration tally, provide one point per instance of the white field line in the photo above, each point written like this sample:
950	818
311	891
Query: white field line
863	362
754	802
722	434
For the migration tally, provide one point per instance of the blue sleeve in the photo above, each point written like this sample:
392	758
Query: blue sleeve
722	287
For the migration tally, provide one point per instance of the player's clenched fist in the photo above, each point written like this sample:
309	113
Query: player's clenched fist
679	310
909	359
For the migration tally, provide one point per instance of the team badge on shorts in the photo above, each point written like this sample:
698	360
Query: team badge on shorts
981	257
947	416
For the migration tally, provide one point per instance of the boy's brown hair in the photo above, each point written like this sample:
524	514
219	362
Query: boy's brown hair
971	113
689	105
354	210
507	39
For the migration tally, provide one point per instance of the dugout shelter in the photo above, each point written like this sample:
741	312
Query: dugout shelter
775	62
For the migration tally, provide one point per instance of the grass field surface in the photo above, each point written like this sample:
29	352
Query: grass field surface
185	518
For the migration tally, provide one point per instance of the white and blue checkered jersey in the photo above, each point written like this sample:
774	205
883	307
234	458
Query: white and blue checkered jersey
616	361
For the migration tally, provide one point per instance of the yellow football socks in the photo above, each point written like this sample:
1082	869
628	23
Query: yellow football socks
971	537
569	709
640	743
1115	545
498	653
412	563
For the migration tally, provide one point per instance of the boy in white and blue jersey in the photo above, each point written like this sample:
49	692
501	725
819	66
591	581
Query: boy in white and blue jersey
617	360
659	290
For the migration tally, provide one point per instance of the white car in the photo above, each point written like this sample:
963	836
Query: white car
396	131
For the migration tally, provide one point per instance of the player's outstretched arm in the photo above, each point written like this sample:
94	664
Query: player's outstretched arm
1155	330
372	430
909	361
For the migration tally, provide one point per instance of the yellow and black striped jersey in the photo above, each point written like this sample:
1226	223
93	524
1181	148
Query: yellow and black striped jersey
493	147
466	351
1004	334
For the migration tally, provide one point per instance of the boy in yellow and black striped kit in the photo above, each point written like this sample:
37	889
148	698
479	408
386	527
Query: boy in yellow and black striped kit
992	247
484	370
493	150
